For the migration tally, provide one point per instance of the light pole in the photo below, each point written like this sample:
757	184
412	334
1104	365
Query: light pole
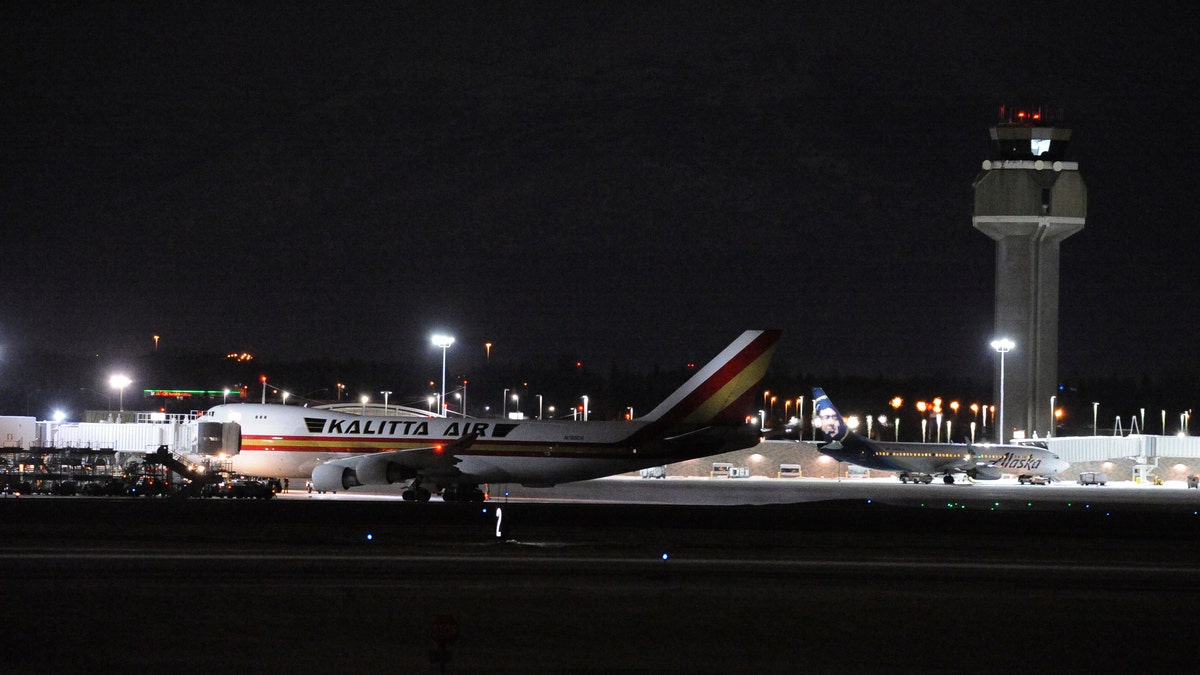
1002	346
800	414
225	398
443	341
539	405
585	407
386	394
1095	408
504	404
119	382
921	407
1053	397
364	400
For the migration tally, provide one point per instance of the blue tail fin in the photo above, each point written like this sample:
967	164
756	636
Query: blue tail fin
828	418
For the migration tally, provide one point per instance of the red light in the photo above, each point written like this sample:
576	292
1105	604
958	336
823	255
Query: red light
579	364
438	448
1037	116
1021	115
263	378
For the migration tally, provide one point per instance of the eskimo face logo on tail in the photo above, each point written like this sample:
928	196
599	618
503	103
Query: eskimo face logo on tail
1011	461
828	418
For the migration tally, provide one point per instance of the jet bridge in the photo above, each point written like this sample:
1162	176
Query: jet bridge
217	439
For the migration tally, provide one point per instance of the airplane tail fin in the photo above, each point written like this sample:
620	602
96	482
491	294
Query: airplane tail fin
725	388
829	419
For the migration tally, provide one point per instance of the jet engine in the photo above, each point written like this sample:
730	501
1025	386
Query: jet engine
370	470
333	478
381	470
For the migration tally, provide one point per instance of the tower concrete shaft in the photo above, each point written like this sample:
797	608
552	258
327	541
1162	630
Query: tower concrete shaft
1029	201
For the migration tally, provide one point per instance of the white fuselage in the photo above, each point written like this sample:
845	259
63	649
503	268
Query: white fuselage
290	441
948	458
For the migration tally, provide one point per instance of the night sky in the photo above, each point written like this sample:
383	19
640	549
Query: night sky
613	182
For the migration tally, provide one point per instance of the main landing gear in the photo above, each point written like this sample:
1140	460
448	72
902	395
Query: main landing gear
415	493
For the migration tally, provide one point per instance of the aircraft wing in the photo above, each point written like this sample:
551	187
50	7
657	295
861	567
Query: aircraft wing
435	461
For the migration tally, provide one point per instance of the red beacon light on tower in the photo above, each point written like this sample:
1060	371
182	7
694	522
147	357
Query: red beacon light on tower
1027	116
1031	134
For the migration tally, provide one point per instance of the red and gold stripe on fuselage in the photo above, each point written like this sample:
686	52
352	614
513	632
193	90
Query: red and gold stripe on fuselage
340	445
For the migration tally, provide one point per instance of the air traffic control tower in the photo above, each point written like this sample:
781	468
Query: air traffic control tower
1028	199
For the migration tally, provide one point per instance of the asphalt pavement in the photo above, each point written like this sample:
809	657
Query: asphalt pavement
843	583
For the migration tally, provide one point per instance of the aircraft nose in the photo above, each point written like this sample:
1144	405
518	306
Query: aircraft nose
1060	466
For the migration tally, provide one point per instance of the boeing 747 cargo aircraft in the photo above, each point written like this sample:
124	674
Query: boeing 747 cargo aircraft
453	457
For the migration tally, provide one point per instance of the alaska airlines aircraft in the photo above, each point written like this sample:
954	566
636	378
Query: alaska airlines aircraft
340	450
919	462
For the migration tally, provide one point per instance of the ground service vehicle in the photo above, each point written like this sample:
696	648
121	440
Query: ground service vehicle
789	471
1092	478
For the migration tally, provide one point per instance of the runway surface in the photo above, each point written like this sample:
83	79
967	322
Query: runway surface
838	578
